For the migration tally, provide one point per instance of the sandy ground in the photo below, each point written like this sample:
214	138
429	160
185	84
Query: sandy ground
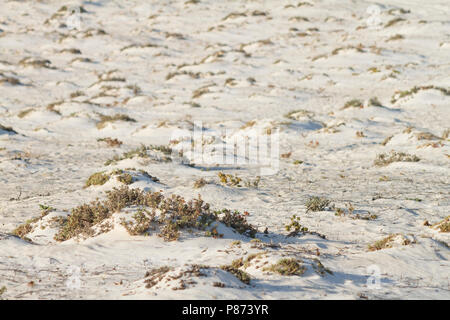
336	83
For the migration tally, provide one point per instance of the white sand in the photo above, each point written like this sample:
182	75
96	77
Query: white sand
279	62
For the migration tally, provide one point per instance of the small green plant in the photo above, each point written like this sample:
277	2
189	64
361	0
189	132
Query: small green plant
295	225
251	257
287	267
45	209
317	204
229	179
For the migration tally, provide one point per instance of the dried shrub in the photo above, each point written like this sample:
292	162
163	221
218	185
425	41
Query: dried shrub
175	214
22	230
155	275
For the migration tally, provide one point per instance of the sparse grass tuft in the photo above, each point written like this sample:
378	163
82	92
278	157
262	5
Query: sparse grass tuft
317	204
241	275
395	37
387	242
155	275
444	225
25	112
375	102
200	183
298	114
142	222
97	179
393	21
401	94
320	268
7	129
355	103
386	159
125	178
110	142
142	152
287	267
104	119
2	290
22	230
